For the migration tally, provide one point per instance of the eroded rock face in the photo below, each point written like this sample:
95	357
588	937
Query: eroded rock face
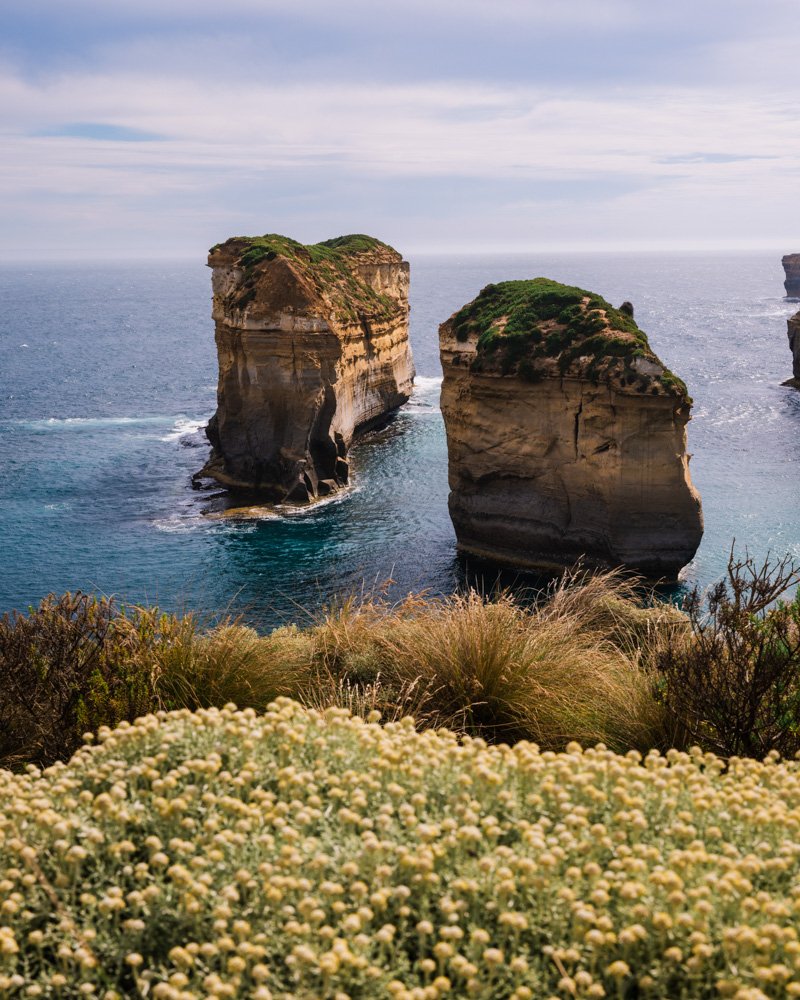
312	343
794	347
791	265
566	434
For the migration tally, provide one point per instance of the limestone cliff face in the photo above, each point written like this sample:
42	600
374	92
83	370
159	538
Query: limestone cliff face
313	347
794	346
566	435
791	265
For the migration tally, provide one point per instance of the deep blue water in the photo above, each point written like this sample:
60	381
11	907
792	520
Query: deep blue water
107	372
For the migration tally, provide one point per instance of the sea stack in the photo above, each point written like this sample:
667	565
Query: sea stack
566	434
794	347
791	265
313	348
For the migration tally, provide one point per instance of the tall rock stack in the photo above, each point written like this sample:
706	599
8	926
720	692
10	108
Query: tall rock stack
566	434
791	265
313	348
794	347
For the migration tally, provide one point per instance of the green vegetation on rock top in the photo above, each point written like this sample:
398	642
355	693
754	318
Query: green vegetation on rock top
520	324
328	265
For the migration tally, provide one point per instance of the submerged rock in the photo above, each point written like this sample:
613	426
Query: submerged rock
566	434
791	265
313	347
794	347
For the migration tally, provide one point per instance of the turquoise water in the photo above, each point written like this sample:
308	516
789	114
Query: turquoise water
109	374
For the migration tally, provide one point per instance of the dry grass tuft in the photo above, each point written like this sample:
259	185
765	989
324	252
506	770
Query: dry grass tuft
571	668
576	666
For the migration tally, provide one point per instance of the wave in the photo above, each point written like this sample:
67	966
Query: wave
784	311
748	413
182	523
341	496
185	427
425	398
88	423
181	427
425	382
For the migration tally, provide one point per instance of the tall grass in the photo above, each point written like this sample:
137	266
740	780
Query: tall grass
567	669
575	666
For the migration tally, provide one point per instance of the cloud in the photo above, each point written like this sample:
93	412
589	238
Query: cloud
447	129
544	122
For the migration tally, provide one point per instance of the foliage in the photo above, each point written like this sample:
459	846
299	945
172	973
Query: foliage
551	673
74	663
557	671
234	663
329	266
732	683
592	659
520	323
300	854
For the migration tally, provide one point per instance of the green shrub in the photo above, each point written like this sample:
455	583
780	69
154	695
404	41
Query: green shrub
73	664
732	683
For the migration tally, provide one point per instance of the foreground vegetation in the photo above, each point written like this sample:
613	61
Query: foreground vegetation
589	661
308	854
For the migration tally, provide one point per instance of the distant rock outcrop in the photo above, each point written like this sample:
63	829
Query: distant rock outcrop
313	347
791	265
566	434
794	347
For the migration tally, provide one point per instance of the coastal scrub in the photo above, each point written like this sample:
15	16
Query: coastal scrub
305	854
331	267
521	324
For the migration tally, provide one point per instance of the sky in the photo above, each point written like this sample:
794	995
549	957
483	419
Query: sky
156	128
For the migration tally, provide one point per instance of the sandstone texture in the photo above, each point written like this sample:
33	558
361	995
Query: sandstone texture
794	347
791	265
313	348
566	434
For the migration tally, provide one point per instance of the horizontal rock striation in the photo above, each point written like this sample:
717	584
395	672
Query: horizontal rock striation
794	347
791	265
312	343
566	434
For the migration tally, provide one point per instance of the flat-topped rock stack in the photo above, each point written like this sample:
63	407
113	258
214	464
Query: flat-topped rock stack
313	348
566	434
794	346
791	265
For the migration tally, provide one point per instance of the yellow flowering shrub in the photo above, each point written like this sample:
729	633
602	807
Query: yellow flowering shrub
310	854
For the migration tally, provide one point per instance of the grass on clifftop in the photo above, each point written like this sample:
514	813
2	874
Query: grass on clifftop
301	854
520	323
328	265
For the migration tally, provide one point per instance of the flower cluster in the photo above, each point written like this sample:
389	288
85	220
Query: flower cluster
222	854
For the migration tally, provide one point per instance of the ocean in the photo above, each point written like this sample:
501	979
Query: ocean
108	375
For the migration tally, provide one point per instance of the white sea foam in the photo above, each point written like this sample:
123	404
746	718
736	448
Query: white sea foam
424	383
341	496
193	518
425	398
185	427
89	423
